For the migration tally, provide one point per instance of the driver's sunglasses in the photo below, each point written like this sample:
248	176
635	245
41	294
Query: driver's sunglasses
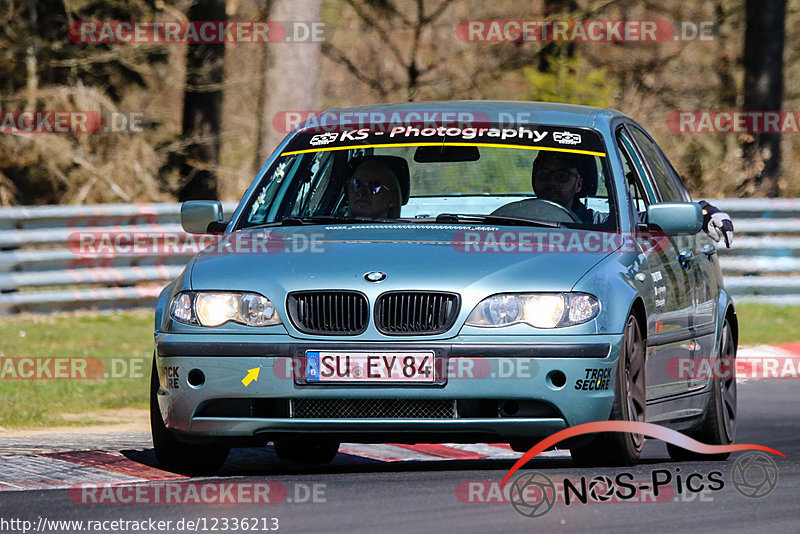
373	187
561	176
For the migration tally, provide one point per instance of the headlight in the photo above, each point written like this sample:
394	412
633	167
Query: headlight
182	309
217	308
541	310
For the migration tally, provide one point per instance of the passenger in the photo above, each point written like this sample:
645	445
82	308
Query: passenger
559	177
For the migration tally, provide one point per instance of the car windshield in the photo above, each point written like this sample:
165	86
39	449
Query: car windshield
529	174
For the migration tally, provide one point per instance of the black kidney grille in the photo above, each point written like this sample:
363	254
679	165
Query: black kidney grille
328	312
416	312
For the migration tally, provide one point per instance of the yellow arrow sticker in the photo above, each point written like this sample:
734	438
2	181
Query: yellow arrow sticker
252	375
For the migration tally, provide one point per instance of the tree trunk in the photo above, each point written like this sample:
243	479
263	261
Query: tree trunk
290	83
763	91
265	59
202	108
32	84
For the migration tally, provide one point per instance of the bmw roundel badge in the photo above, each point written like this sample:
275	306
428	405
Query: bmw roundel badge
375	276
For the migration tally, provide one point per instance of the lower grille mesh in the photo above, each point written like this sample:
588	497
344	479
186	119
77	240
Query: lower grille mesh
373	408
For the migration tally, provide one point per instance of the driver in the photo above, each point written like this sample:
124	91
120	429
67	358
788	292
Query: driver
373	191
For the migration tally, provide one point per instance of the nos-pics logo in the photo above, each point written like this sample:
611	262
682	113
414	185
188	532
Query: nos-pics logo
533	494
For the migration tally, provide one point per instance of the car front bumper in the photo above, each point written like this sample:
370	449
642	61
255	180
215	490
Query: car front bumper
506	389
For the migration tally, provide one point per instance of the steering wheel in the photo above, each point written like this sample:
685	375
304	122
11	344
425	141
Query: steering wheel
538	208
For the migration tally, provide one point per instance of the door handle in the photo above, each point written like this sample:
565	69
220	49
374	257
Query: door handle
685	257
709	250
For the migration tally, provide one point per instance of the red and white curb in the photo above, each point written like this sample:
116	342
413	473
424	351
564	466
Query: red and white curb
768	362
66	469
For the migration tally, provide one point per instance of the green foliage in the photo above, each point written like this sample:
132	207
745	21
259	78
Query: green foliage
570	80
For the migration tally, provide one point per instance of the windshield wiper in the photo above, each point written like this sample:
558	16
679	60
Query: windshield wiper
325	219
494	219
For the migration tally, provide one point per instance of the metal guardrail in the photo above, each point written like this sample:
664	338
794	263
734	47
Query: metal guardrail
41	269
44	268
764	263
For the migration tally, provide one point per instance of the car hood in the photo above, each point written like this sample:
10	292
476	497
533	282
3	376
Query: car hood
412	255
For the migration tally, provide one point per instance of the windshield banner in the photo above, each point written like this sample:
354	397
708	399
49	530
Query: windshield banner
521	136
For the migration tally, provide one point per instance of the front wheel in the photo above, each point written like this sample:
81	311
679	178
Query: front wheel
175	455
719	425
621	448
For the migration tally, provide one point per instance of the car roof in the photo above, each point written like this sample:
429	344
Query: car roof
524	112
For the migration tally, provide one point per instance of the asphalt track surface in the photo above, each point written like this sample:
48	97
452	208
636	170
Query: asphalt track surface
381	488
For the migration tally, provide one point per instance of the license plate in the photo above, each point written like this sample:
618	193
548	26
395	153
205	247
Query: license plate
365	367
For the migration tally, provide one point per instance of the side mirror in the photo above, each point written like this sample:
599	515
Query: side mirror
202	217
676	218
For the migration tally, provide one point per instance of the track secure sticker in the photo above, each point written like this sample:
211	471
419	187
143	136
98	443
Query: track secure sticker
594	380
173	378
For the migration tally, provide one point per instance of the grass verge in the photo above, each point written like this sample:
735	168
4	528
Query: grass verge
117	345
766	323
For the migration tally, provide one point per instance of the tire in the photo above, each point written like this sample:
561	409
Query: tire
174	455
614	449
719	424
306	451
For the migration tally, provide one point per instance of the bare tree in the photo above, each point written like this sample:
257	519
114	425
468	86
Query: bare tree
289	75
399	28
202	108
264	59
763	91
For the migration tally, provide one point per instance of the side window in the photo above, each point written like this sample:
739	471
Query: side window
635	190
311	190
662	173
676	178
634	170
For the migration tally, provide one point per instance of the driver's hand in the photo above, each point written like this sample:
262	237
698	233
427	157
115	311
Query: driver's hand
717	224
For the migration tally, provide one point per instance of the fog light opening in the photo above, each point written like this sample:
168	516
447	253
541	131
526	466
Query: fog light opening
510	407
196	378
556	379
